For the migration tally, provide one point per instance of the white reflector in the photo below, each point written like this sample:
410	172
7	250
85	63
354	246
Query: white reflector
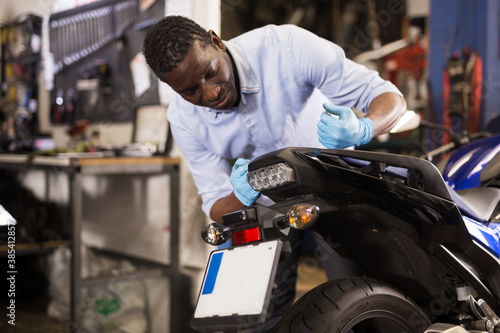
6	218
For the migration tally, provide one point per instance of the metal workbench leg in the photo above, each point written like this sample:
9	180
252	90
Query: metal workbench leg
175	277
75	204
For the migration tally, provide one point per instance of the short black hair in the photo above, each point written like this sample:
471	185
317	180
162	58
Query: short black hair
168	41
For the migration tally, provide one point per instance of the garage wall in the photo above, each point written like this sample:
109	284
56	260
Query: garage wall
454	25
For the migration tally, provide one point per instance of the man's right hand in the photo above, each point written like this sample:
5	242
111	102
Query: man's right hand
340	128
242	190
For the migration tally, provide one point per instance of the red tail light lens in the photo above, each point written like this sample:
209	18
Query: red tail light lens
246	236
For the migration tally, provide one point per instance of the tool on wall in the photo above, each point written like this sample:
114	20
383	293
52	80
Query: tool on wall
21	46
462	89
80	38
79	34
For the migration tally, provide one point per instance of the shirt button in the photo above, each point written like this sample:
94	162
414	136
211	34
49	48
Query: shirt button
252	128
248	121
245	116
266	146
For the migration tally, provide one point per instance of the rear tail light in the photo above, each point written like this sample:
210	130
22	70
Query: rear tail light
240	225
271	176
217	234
246	236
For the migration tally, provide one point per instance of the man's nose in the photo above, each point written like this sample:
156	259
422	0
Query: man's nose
210	91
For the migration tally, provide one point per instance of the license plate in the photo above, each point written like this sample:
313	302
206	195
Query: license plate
237	287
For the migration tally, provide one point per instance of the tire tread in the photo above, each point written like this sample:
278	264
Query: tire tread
323	293
314	310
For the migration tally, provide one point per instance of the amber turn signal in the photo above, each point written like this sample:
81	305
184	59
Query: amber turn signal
302	216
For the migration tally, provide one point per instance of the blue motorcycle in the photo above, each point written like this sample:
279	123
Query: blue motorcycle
425	237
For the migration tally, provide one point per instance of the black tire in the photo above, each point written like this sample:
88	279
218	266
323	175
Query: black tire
354	305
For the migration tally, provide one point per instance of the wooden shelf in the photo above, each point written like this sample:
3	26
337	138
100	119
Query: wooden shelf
36	246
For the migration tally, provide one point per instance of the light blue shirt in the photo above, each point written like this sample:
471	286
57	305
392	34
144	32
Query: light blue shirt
285	73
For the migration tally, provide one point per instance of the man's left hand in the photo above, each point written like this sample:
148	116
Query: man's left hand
346	130
242	189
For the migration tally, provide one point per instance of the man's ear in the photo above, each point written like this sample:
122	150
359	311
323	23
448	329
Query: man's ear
216	40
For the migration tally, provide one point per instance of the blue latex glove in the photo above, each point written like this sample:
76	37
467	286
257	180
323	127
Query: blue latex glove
346	131
243	191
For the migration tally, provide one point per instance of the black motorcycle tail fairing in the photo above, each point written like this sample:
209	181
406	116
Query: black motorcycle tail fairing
409	187
420	174
387	213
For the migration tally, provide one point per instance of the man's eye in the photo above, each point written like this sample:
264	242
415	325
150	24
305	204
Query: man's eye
189	92
211	73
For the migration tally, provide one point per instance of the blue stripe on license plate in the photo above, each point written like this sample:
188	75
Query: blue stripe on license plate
213	270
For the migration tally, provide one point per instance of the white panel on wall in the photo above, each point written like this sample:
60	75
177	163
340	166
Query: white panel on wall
417	8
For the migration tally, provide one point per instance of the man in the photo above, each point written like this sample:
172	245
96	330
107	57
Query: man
259	92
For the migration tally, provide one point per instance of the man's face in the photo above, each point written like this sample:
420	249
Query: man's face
205	77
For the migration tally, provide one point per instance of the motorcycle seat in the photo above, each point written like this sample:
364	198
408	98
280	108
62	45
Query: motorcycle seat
480	202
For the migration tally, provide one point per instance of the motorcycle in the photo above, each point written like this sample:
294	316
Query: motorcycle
425	236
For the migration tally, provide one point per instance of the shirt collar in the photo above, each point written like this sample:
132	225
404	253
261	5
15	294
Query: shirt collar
248	82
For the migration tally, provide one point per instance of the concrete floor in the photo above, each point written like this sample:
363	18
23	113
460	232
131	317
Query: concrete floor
310	274
31	317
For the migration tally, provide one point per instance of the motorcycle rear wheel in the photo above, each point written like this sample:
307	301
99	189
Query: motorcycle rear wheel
354	305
